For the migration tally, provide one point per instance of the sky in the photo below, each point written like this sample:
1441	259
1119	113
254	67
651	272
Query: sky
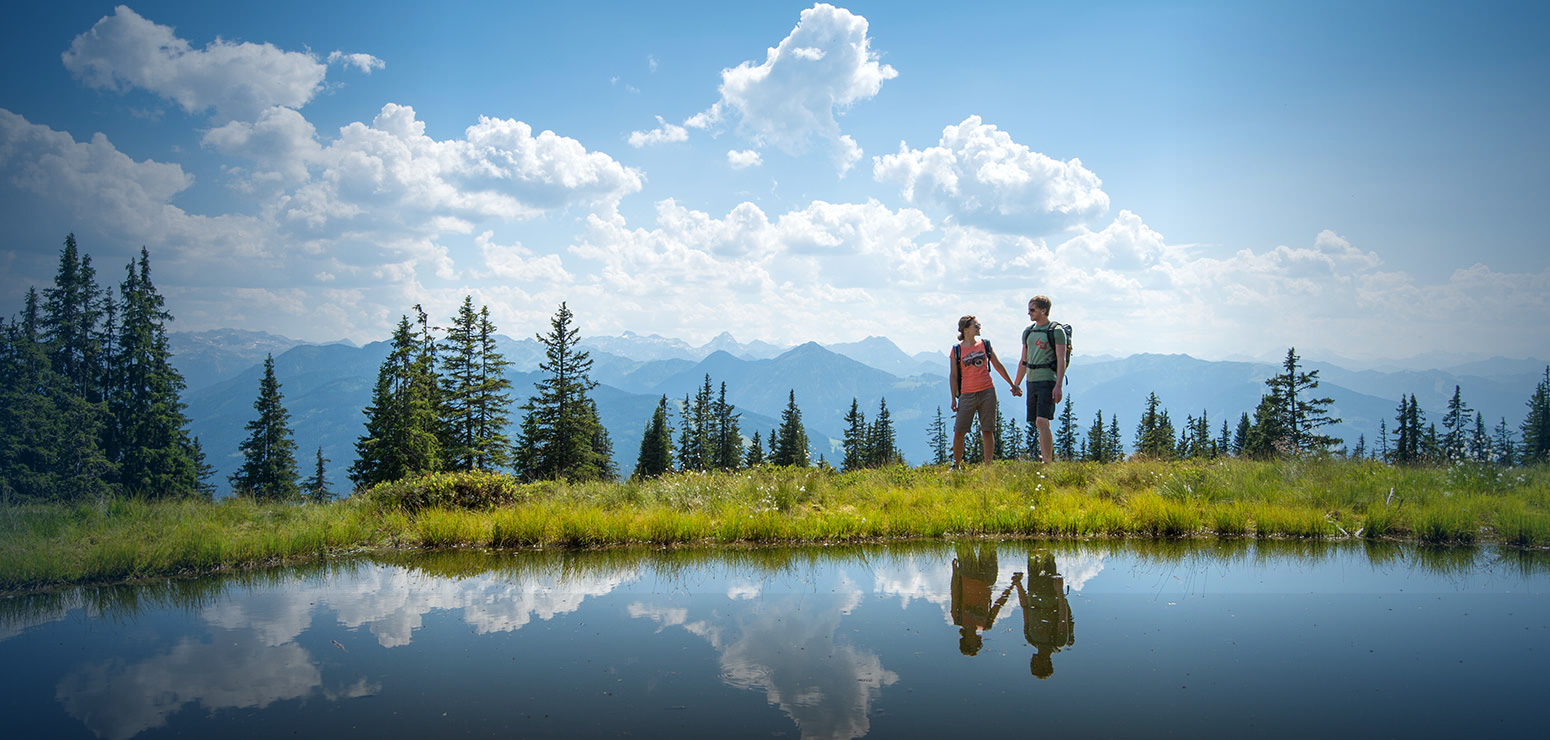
1226	180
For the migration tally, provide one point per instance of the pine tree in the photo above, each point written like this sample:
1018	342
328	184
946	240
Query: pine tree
1454	423
755	456
937	435
1016	441
1267	434
656	445
567	434
474	393
1154	432
1116	452
1536	425
1382	449
403	435
882	443
854	443
1224	442
1065	436
1240	437
1097	441
151	446
1504	445
686	437
789	445
204	487
728	451
315	489
268	471
1361	447
1300	415
1479	441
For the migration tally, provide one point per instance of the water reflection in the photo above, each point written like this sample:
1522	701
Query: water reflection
836	642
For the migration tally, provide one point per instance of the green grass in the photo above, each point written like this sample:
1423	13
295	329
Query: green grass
43	545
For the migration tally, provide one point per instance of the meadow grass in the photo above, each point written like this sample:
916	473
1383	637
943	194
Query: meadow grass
44	544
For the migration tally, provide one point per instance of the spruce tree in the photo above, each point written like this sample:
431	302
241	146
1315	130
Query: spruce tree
268	471
1479	441
1382	450
1360	452
1224	442
1536	425
882	443
686	438
1097	441
1267	435
656	445
755	456
564	429
1116	452
1240	437
727	452
475	394
1154	431
1065	436
1301	416
204	487
403	432
1455	424
315	488
788	446
150	445
854	443
1503	447
936	434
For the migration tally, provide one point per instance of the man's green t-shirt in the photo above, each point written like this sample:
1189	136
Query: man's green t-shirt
1040	352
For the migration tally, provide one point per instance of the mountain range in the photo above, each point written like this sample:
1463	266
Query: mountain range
326	387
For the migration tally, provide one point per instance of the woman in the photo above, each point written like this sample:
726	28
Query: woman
973	392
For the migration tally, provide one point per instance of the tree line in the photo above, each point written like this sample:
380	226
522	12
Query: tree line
90	406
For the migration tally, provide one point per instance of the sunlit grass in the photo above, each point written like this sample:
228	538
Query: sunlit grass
1291	499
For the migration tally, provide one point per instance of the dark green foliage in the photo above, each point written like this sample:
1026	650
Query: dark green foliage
475	394
315	489
560	424
789	443
1065	435
268	471
1116	451
1503	445
1154	432
937	434
403	435
755	456
1240	437
1097	442
1409	440
882	442
726	436
1267	434
205	474
1300	415
855	442
149	440
1455	425
1536	425
477	490
656	445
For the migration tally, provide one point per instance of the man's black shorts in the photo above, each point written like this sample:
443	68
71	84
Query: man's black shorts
1040	404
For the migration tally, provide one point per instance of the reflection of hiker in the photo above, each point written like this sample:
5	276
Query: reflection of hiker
1046	613
974	574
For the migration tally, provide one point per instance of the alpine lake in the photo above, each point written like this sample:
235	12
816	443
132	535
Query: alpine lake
1256	638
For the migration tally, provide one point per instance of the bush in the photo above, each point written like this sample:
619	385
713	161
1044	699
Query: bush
464	490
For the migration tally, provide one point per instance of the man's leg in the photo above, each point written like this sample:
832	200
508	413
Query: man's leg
1046	440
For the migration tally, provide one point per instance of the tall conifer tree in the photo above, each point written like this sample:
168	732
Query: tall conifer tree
268	471
789	446
561	423
151	445
656	445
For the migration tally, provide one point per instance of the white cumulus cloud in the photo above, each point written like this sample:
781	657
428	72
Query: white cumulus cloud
664	133
363	62
125	51
742	160
984	178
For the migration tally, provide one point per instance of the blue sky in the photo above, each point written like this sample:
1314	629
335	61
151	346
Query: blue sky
1220	179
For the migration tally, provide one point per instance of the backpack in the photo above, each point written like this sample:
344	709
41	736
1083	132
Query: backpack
1049	332
958	365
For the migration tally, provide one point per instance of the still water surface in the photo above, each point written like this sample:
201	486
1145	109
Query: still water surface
914	640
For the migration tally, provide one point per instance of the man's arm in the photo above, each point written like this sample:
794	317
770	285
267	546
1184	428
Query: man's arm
1022	367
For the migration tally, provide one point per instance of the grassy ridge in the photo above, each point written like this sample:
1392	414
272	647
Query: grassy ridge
46	545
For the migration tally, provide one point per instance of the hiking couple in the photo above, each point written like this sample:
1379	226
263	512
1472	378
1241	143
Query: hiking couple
975	395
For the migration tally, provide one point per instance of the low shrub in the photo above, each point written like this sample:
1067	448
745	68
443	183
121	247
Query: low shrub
475	490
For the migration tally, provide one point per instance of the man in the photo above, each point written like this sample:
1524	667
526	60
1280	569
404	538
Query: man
1044	362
